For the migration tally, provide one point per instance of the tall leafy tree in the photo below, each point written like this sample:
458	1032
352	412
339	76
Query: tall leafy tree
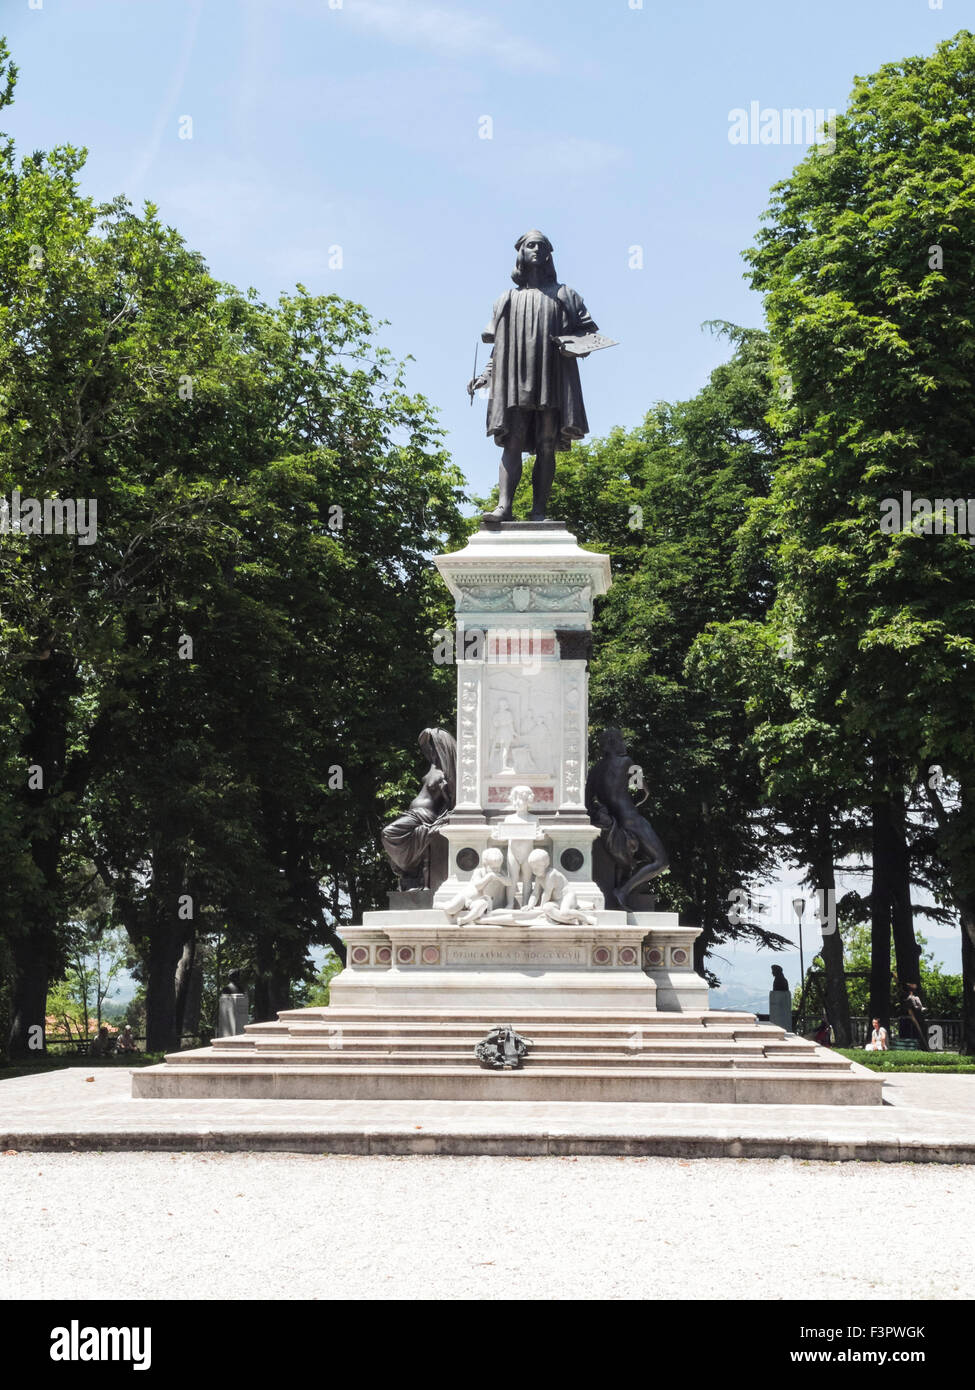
867	264
101	311
192	702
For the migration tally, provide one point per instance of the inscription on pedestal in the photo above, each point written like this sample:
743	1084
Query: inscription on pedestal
515	954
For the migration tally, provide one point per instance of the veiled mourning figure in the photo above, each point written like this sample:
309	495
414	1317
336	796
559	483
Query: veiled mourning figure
407	839
625	836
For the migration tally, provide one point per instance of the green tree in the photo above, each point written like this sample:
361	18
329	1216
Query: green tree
316	995
308	606
867	264
190	703
96	962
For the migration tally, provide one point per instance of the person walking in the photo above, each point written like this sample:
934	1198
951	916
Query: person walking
915	1012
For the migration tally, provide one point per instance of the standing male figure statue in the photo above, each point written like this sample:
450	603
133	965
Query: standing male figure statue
535	404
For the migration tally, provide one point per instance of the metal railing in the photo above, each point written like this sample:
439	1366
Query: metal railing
81	1047
950	1032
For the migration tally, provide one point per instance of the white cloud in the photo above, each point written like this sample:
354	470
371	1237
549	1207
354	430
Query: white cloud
448	32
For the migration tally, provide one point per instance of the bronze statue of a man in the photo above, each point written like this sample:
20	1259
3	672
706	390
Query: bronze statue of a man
535	404
625	834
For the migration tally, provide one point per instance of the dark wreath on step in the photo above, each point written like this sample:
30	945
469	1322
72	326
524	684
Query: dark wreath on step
503	1049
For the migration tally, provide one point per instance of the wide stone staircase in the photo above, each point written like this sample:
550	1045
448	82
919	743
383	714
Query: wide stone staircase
575	1055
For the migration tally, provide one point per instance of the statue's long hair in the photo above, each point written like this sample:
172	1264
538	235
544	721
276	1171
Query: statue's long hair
547	273
440	748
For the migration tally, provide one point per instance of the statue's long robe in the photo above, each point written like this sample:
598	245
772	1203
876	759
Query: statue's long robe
527	371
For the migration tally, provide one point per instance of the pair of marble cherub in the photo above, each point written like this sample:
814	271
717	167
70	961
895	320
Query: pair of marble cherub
551	898
530	891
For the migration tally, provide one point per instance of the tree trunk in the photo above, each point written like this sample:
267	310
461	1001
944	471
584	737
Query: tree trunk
170	937
37	958
967	909
28	1002
165	954
272	988
184	970
837	999
880	915
958	861
907	953
37	954
171	940
194	997
894	910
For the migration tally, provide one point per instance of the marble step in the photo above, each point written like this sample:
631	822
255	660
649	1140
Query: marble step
768	1085
525	1024
332	1014
627	1044
398	1058
473	1033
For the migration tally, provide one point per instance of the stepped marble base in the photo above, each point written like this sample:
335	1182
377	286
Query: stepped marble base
576	1055
613	1012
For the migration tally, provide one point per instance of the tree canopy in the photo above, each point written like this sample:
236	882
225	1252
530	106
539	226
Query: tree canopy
189	702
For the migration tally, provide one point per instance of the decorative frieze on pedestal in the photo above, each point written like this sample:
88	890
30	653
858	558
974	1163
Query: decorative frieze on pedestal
668	958
413	958
629	960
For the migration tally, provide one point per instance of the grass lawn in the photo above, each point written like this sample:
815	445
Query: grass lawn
135	1059
910	1061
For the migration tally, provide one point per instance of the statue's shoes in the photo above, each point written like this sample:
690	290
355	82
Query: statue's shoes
536	516
493	518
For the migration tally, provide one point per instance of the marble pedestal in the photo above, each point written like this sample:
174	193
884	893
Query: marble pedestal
780	1008
614	1009
523	598
626	961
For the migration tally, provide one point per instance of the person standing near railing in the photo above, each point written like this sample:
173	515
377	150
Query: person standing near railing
915	1012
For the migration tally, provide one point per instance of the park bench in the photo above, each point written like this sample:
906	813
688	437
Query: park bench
904	1044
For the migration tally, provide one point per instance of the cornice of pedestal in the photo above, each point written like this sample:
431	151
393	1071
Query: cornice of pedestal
529	558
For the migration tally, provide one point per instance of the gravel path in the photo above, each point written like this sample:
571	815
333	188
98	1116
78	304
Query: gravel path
234	1225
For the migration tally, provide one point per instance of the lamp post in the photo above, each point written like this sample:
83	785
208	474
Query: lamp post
799	907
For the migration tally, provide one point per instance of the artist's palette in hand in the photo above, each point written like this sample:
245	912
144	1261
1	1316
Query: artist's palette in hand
581	344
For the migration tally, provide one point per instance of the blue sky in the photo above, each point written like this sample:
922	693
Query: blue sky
356	124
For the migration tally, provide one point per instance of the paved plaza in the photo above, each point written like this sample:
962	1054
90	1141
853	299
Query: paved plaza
186	1199
234	1225
926	1118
